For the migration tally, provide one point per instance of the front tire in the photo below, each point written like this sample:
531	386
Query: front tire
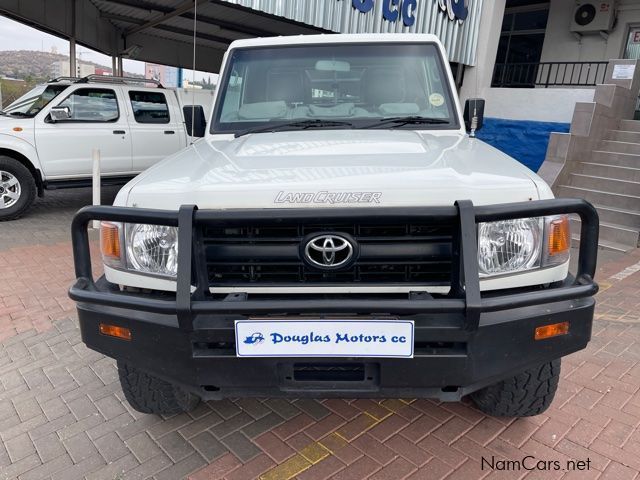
17	188
526	394
149	394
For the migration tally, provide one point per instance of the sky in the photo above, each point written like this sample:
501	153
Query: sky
16	36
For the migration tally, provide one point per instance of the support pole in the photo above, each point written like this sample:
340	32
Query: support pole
72	58
72	42
96	182
114	66
120	69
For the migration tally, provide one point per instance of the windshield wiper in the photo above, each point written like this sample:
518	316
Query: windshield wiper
411	120
302	125
18	114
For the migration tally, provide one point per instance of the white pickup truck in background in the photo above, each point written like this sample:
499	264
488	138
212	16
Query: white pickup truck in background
47	136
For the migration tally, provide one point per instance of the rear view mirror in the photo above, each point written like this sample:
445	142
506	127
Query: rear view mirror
59	114
333	66
474	115
194	120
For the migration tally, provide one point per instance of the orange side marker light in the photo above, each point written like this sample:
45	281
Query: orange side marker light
553	330
115	331
110	240
559	236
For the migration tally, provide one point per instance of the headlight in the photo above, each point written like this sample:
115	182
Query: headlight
520	245
152	249
149	249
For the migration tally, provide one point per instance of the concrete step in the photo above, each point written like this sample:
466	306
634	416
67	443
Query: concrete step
605	184
604	245
613	233
610	171
620	147
599	197
623	136
618	159
619	216
630	125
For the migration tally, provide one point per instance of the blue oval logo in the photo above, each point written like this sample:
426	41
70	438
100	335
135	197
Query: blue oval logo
254	339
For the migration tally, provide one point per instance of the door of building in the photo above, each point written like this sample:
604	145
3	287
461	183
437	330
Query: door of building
632	50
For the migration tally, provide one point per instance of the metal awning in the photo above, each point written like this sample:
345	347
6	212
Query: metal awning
159	31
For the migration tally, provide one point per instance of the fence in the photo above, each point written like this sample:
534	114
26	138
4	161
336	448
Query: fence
549	74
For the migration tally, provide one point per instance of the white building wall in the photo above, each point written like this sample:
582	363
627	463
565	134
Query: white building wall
477	80
61	69
535	104
562	46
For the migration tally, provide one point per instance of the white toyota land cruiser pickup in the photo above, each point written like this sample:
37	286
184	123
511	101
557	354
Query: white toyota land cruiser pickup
337	233
47	135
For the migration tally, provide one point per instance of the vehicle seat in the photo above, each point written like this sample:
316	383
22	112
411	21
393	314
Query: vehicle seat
382	86
285	86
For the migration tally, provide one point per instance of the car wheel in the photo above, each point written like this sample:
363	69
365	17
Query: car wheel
17	188
149	394
526	394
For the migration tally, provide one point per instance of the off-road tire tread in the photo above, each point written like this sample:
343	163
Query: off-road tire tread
149	394
526	394
27	184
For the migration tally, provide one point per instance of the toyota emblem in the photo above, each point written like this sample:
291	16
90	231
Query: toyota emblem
328	251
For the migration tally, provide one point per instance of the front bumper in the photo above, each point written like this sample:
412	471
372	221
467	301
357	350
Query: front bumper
463	341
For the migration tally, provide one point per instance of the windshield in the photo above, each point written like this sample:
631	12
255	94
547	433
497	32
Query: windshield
35	100
317	86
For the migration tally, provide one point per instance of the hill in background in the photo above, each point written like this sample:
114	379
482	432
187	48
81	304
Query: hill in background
32	65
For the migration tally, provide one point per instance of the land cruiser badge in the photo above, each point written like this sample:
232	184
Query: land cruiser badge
331	198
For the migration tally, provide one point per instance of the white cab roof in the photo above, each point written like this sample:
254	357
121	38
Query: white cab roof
336	38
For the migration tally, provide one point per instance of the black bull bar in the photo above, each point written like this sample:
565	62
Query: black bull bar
464	296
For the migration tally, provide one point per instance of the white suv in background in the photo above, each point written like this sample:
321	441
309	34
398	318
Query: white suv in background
47	135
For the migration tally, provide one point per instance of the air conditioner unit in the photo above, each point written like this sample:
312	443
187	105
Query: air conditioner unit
593	16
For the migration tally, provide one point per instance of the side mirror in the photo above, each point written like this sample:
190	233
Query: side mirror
194	120
60	114
474	115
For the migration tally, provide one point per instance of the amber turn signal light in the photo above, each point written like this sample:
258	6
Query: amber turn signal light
559	236
114	331
110	240
553	330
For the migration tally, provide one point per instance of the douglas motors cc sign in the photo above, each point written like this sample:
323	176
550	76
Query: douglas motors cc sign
395	10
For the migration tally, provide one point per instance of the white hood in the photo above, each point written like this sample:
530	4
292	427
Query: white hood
334	168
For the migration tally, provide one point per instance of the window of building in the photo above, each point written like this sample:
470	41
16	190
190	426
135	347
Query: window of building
92	105
521	42
149	107
632	50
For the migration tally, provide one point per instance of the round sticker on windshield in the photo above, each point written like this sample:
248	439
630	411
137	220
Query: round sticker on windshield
436	99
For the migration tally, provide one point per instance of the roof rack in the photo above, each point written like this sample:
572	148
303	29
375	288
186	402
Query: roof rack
63	79
111	79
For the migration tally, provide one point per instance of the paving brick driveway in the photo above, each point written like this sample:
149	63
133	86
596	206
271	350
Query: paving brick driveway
62	413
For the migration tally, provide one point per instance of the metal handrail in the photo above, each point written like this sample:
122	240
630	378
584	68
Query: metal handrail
549	74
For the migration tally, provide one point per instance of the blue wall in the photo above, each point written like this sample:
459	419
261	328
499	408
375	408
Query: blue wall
523	140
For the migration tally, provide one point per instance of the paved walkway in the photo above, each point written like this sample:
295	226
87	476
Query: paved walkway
63	416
